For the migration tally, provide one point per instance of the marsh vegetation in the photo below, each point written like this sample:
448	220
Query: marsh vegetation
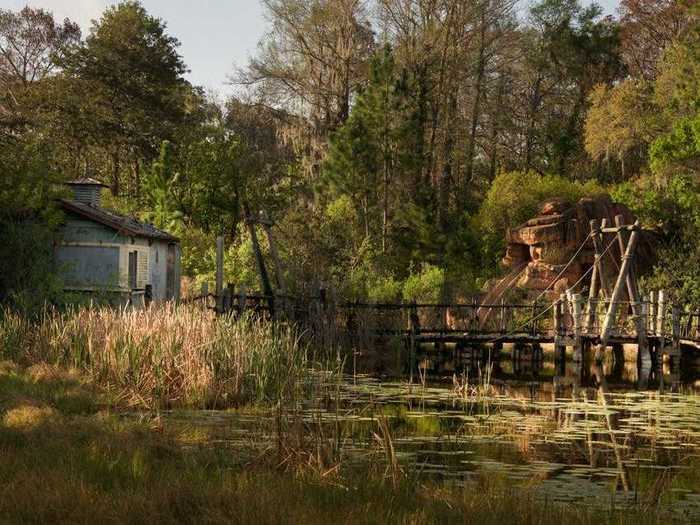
170	413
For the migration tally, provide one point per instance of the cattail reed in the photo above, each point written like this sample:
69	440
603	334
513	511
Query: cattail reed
163	356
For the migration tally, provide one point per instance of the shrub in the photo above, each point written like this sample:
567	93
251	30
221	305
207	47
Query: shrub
515	196
426	286
27	274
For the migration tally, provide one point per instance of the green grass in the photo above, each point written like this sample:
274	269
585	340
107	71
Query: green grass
67	458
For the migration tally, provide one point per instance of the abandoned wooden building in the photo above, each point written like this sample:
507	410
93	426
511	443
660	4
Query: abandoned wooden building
103	252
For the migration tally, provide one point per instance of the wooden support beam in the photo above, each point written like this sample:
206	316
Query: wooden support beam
617	229
620	285
629	278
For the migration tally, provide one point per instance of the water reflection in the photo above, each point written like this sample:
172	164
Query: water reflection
621	369
613	434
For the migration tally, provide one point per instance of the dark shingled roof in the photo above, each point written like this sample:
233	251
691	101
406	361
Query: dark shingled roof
121	223
85	182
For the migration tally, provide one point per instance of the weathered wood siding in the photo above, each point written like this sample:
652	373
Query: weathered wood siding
159	271
89	267
91	256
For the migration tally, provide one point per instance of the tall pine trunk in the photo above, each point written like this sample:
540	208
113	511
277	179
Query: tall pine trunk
476	108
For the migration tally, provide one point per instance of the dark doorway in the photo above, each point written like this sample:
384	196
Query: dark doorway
170	273
133	266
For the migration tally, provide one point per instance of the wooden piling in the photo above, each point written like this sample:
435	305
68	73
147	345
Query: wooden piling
502	321
559	344
661	314
643	350
227	299
675	332
414	332
242	299
205	295
219	274
576	301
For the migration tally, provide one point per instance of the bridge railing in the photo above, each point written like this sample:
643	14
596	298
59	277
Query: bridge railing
361	322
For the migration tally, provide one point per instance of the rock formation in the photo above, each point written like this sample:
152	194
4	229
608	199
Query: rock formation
538	251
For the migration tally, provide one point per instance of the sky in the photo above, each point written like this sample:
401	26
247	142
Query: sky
215	35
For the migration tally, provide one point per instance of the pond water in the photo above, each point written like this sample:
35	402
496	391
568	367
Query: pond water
603	436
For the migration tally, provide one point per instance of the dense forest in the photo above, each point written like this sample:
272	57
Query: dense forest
391	142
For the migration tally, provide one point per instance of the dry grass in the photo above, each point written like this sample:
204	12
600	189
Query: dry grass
163	356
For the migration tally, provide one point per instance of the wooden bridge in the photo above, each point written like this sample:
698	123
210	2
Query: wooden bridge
661	329
609	316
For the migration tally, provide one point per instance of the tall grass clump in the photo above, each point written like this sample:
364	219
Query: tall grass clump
163	356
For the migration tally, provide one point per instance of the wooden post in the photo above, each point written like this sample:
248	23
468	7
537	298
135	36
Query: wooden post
242	299
219	274
414	331
598	243
557	318
205	295
559	346
576	304
228	295
661	314
643	350
651	321
502	323
617	292
676	332
629	278
597	277
321	317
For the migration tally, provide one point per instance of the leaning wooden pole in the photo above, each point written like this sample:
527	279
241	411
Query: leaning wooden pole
620	286
629	279
267	226
597	277
260	261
